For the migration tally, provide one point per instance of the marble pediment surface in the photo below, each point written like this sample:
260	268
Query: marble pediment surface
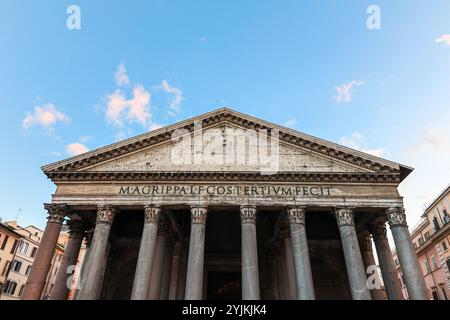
154	151
215	156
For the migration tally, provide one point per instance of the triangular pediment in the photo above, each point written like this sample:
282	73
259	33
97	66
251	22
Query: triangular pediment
154	151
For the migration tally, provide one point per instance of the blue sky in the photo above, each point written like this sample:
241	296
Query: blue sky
310	65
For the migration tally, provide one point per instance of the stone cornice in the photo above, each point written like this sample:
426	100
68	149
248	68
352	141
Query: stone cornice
224	115
304	177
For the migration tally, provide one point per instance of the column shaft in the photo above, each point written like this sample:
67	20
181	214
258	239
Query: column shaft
274	275
183	274
365	244
388	271
414	280
288	257
352	254
88	241
166	272
92	281
281	275
175	270
194	277
303	273
158	262
69	259
250	274
144	265
36	280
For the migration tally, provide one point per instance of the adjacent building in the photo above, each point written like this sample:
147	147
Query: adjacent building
431	241
9	240
19	257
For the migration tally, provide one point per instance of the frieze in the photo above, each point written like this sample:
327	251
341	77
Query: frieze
226	190
356	177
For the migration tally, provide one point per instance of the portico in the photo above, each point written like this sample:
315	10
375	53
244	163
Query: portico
166	229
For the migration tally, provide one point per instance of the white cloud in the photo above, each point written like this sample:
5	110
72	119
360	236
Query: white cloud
430	157
46	116
290	122
74	149
121	76
445	38
356	141
433	140
344	93
177	97
136	109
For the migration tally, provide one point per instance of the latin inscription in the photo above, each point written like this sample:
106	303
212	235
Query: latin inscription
226	190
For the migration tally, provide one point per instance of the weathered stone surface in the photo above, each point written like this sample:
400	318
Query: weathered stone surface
160	158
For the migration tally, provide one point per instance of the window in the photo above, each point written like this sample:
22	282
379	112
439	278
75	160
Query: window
33	252
427	236
9	287
444	245
27	272
448	263
446	216
444	294
5	269
396	262
427	266
421	241
415	245
436	224
23	247
435	295
5	241
433	260
13	249
16	265
21	290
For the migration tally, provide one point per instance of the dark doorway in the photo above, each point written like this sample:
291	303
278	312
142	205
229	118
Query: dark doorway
224	286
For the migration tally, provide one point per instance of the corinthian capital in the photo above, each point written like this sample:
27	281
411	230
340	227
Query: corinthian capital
56	212
163	227
296	215
248	214
76	227
365	242
396	217
152	213
106	213
344	216
198	214
378	230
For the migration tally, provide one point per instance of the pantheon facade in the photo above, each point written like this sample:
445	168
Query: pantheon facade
164	216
